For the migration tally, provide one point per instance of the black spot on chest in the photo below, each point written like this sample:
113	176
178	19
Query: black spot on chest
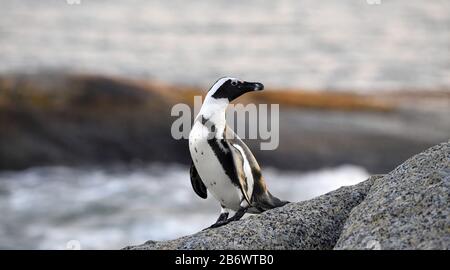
208	124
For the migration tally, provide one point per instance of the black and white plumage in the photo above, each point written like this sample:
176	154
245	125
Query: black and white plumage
222	163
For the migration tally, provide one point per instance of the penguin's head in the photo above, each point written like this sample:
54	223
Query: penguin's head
232	88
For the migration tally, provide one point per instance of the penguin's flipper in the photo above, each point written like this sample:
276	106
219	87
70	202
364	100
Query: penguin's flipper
197	183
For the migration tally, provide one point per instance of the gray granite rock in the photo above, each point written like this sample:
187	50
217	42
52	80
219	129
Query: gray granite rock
313	224
406	209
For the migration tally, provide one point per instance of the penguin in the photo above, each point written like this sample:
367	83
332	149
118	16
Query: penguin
221	162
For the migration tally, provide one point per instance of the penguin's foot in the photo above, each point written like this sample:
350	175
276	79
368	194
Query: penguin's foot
222	217
221	221
218	224
238	214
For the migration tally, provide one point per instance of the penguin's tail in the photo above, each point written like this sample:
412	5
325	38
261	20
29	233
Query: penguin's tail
266	202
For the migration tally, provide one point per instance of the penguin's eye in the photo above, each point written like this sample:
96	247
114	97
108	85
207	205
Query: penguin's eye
234	83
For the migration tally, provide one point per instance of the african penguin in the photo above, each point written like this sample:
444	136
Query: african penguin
221	162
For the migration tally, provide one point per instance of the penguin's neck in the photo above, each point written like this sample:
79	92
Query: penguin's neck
214	110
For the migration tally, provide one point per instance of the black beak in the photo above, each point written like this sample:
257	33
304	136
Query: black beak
253	86
259	86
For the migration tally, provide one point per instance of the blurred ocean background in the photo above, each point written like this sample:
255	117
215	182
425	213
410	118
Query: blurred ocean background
84	167
327	44
44	208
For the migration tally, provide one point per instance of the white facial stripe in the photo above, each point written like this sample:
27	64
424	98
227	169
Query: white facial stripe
217	85
214	108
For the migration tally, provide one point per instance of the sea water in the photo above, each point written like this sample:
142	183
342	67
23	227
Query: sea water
334	45
109	208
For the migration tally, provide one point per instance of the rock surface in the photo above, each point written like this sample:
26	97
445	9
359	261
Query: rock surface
405	209
313	224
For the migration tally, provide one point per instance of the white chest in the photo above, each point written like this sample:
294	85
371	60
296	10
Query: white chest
210	169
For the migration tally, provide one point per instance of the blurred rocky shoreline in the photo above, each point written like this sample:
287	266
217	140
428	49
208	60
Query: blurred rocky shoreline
77	119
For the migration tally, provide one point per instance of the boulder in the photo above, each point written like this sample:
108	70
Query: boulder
406	209
313	224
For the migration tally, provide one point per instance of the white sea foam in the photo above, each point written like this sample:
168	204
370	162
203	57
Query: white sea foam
114	207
